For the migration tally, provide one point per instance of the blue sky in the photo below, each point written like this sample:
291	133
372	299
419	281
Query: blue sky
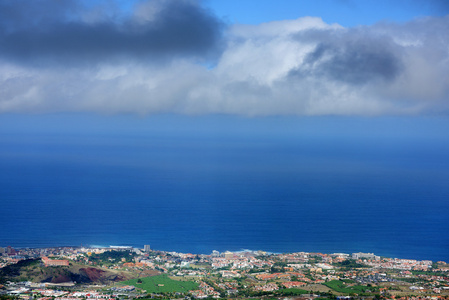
344	12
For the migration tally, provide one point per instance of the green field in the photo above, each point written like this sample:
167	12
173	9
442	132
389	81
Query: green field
341	287
162	284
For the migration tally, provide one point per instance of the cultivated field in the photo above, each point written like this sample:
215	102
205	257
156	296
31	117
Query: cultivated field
162	284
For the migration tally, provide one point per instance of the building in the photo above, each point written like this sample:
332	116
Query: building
185	264
54	262
361	255
147	248
10	250
229	274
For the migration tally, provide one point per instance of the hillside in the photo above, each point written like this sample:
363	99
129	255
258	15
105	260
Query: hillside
33	270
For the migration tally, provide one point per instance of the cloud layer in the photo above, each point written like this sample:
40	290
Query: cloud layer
66	33
176	56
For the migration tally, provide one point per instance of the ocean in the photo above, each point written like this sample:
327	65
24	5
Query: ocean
201	192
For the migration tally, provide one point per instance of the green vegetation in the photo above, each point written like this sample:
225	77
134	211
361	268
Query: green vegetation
112	257
315	259
8	297
410	280
277	293
342	287
291	292
350	264
431	273
347	281
162	284
14	270
278	267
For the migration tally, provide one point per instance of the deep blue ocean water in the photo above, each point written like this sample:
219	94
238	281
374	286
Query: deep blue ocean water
198	193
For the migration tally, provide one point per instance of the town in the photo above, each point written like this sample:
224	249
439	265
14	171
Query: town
117	272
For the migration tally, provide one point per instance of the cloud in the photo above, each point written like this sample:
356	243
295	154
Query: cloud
354	61
51	31
167	58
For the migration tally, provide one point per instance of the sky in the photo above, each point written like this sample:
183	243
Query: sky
246	58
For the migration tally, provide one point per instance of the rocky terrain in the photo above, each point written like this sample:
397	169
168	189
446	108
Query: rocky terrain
33	270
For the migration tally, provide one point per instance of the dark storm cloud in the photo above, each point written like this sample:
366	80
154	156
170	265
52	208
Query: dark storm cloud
48	30
356	64
351	57
18	15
